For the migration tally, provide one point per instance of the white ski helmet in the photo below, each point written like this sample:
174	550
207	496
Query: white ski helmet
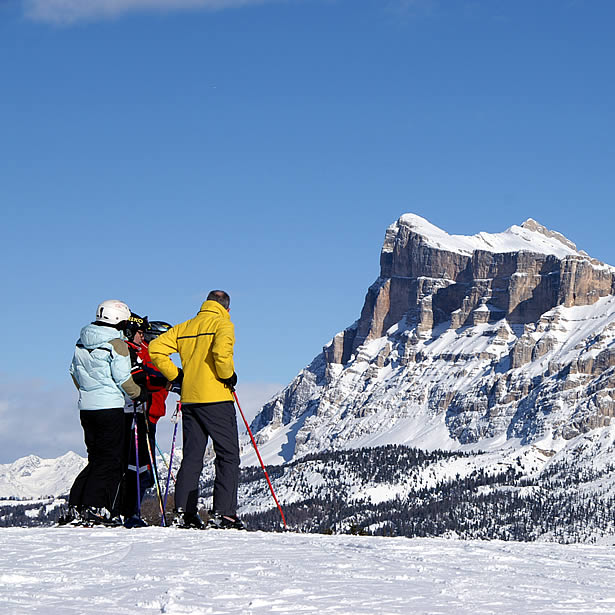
112	311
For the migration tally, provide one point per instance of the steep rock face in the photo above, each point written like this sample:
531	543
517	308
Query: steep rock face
430	284
507	335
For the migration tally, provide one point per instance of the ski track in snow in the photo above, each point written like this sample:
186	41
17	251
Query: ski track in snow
102	571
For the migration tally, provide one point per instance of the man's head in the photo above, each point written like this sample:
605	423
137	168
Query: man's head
135	328
221	297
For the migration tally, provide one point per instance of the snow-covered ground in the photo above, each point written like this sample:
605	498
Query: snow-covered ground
103	571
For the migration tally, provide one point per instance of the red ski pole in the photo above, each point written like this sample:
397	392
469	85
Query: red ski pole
260	459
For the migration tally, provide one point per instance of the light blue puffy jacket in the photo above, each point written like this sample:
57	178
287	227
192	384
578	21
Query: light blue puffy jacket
98	369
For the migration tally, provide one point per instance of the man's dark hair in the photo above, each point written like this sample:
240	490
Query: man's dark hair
221	297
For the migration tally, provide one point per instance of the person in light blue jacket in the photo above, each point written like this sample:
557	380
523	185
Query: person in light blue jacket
101	372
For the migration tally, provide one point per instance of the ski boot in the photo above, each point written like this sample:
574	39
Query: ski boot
187	520
218	521
93	516
70	516
134	521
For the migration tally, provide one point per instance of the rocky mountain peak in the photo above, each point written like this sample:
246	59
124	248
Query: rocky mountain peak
494	335
531	225
429	277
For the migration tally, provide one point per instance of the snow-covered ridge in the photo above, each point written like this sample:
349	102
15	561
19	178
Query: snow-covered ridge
529	237
33	477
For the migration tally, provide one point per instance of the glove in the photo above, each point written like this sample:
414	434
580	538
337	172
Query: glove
176	383
143	398
140	378
230	382
157	382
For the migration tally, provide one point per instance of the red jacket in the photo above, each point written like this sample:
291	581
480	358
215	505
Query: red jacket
155	382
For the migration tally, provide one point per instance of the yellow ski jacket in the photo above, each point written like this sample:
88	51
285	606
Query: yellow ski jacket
205	346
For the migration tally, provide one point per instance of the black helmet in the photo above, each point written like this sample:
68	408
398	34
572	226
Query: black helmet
156	327
135	323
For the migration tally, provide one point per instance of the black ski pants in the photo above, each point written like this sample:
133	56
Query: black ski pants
97	485
217	421
131	505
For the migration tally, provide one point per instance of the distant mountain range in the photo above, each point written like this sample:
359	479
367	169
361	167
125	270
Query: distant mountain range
34	478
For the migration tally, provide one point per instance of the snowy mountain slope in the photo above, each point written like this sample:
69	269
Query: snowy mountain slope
511	492
500	348
463	343
158	570
34	478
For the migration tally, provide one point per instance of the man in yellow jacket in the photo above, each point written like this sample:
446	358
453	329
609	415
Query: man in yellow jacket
207	377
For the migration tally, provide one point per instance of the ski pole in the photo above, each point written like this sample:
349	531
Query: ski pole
259	458
174	419
164	461
138	470
154	469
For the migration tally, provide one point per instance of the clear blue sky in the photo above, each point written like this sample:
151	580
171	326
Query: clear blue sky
152	154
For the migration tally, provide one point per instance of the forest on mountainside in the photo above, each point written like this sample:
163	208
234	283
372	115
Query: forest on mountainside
563	503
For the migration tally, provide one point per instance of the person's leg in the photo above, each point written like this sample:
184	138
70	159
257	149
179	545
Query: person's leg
128	499
194	444
114	447
150	453
75	497
146	477
107	431
221	424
